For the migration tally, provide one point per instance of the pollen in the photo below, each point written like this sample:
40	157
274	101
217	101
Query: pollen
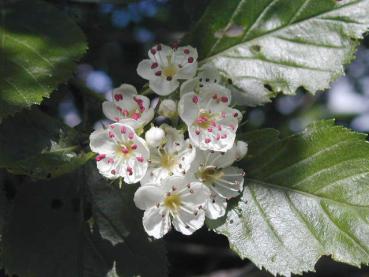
172	202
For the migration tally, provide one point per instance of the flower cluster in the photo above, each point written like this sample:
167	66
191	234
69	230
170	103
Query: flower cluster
185	170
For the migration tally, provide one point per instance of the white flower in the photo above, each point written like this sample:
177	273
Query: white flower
121	153
241	149
154	136
176	200
168	65
211	123
168	108
172	158
207	75
215	170
128	107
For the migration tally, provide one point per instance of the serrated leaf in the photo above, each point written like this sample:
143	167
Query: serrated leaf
305	196
271	46
120	222
33	143
38	49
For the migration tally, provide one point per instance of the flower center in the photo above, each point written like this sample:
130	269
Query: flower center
208	175
167	161
204	120
170	70
172	202
126	150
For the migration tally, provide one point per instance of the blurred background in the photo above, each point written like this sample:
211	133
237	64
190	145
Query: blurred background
119	34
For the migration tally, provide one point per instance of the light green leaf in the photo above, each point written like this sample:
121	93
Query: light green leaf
305	196
39	46
271	46
33	143
119	221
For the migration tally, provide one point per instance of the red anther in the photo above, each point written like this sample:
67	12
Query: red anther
125	150
210	129
113	172
123	129
131	135
154	65
118	97
190	60
186	51
158	47
135	116
235	114
129	170
111	134
195	99
207	140
224	99
100	157
153	51
134	146
197	132
158	73
140	159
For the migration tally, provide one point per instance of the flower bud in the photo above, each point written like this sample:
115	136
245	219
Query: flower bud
241	149
168	108
154	136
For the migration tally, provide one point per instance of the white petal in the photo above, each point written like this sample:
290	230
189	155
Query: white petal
155	224
197	194
215	207
209	74
107	168
148	196
160	56
231	184
187	72
145	71
110	111
189	86
187	223
162	86
125	90
100	143
188	108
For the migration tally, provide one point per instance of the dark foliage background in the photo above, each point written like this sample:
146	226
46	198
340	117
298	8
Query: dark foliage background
119	34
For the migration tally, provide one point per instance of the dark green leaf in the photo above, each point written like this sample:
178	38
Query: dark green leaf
38	49
120	222
272	46
306	196
46	235
32	143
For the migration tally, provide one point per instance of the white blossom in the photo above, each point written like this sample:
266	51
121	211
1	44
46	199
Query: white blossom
168	65
121	153
175	200
168	108
207	75
154	136
215	170
172	158
211	123
128	107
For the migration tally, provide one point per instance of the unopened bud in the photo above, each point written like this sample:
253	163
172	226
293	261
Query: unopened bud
168	108
241	149
154	136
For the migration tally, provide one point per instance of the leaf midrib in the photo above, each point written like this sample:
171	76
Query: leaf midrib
276	31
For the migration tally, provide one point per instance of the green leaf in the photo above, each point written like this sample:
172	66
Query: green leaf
38	49
35	144
119	221
271	46
305	196
46	235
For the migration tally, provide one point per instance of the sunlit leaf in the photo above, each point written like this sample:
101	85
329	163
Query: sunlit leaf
271	46
305	196
39	46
